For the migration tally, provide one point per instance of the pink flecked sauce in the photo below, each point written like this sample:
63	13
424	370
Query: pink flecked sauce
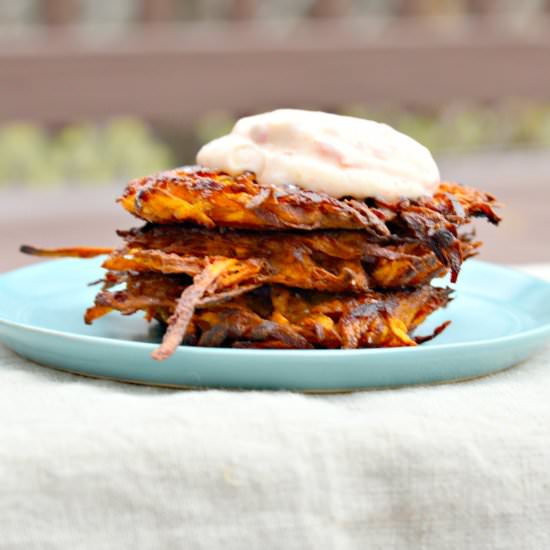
338	155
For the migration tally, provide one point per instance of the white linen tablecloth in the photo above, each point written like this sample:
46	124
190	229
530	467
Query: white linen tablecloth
98	465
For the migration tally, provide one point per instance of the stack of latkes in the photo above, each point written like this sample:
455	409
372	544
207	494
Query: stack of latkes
225	261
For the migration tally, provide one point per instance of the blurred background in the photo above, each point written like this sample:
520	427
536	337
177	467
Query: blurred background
94	92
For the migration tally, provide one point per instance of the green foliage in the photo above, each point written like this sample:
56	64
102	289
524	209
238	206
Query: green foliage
132	151
534	126
214	125
24	155
467	127
80	154
125	148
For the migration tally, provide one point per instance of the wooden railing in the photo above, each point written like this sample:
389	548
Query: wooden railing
176	71
62	12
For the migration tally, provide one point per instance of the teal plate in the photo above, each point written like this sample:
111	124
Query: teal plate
499	318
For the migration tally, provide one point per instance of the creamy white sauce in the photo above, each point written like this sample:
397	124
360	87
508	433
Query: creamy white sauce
337	155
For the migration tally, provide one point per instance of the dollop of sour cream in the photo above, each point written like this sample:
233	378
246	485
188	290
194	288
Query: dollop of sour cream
338	155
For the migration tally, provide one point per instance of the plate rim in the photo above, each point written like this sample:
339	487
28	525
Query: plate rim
522	334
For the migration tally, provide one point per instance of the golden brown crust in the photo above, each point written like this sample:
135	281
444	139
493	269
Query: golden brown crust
207	198
215	199
331	261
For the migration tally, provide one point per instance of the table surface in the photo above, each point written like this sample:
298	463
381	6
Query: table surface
96	464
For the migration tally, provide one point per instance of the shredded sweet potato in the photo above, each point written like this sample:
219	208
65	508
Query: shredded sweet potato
77	252
185	307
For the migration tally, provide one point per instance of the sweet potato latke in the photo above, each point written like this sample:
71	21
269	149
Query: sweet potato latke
225	261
